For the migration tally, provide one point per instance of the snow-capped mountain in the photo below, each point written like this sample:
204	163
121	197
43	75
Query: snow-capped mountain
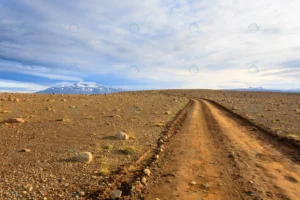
80	88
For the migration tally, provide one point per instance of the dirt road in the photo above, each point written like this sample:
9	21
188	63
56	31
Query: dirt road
218	156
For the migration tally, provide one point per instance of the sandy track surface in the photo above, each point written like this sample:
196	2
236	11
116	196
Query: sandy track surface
217	156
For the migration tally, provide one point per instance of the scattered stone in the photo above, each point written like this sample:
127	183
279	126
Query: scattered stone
254	129
121	136
147	172
160	141
193	183
28	187
25	150
116	194
85	157
231	154
167	113
64	120
144	180
205	186
15	120
156	156
81	193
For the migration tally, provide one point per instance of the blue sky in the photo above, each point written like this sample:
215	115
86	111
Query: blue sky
151	44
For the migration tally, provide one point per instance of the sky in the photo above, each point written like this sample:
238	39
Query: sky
150	44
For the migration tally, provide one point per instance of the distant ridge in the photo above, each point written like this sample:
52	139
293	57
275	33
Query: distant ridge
80	88
261	89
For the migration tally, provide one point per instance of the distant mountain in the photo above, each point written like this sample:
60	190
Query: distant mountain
80	88
293	90
261	89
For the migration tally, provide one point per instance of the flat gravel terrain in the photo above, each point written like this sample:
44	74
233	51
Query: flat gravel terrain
35	156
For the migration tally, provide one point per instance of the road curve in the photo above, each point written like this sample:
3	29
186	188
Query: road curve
216	156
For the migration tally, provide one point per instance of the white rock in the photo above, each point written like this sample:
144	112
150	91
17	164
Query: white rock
193	183
116	194
144	180
15	120
121	136
147	172
84	157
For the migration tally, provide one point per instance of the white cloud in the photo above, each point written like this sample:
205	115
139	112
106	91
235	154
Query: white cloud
20	85
165	45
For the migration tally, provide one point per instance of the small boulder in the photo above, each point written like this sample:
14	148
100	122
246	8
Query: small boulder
84	157
15	120
147	172
116	194
121	136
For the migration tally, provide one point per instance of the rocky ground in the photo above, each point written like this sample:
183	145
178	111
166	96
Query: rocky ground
42	152
139	145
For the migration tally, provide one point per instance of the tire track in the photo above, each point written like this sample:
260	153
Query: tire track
231	162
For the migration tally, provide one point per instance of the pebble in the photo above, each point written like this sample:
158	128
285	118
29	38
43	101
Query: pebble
116	194
231	154
205	186
193	183
254	129
144	180
121	136
28	187
85	157
81	193
147	172
15	120
167	113
25	150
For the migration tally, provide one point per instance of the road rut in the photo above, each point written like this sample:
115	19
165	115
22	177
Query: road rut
217	156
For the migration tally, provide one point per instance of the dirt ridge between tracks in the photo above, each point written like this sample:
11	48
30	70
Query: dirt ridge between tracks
233	162
289	146
283	139
127	177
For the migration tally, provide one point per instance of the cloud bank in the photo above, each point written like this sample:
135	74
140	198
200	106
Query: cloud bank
151	44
